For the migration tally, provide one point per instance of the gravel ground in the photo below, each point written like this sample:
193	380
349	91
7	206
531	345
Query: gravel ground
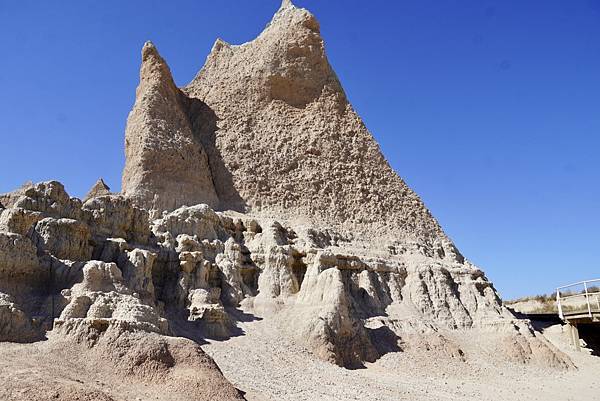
270	367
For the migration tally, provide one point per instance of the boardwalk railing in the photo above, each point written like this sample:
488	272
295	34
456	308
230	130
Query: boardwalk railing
582	298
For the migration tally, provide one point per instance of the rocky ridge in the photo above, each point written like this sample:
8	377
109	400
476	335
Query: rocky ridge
89	268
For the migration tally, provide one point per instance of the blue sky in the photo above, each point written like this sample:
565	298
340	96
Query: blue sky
488	109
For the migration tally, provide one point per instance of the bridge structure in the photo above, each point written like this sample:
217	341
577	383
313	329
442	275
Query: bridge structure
579	304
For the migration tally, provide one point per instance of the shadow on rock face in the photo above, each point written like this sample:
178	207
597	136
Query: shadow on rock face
590	333
217	329
204	125
384	340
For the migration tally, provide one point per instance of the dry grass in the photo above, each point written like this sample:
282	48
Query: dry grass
546	303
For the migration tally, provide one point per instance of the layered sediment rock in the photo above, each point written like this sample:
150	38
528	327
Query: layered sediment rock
358	244
190	272
88	272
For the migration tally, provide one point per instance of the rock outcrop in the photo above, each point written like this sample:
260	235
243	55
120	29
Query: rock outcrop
103	265
288	143
90	272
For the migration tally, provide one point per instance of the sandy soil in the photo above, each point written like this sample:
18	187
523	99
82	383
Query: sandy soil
53	369
268	367
60	369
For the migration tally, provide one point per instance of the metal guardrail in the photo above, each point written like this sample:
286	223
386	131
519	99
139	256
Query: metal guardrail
580	302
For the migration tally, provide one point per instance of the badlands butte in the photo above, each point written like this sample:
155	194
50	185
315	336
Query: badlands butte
261	247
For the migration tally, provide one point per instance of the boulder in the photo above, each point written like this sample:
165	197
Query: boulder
103	299
64	238
15	324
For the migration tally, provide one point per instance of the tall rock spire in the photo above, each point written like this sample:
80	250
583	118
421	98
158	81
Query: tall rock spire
166	166
286	4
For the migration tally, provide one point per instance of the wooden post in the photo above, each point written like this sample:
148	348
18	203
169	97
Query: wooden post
575	336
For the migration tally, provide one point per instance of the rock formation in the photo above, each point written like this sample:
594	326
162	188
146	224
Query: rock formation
85	270
99	189
103	265
255	191
293	144
166	166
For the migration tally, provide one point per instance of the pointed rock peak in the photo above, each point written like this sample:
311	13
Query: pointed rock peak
286	4
149	45
291	16
101	184
150	50
219	44
154	68
99	189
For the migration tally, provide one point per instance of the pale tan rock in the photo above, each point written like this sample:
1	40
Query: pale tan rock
50	199
292	143
230	265
8	199
22	283
115	216
198	220
104	298
15	324
289	146
177	365
166	166
136	266
326	321
18	257
111	365
63	238
99	189
18	220
101	304
347	304
333	247
205	307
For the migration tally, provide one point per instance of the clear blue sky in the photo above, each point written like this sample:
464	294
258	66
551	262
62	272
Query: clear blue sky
490	110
